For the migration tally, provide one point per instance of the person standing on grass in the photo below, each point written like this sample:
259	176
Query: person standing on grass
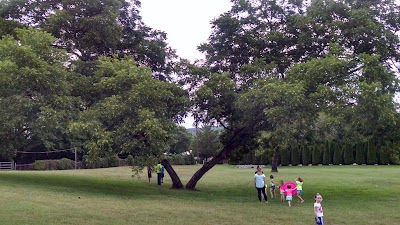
259	183
158	171
162	173
272	186
281	191
149	170
299	186
318	211
289	194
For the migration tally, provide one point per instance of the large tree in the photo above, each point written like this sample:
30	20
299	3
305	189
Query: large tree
35	100
276	67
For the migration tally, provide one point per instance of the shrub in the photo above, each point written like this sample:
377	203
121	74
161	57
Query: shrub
360	153
61	164
66	164
348	154
338	153
384	158
295	155
87	164
285	157
113	161
326	153
306	154
316	155
189	160
371	155
39	165
131	160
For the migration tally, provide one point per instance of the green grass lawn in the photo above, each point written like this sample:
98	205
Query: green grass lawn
352	195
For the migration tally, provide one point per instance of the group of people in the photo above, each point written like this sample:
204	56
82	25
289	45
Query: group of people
159	170
286	192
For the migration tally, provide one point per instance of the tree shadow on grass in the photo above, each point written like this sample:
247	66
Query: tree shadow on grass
82	185
94	186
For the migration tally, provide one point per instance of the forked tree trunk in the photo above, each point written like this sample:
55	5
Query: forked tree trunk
176	181
274	163
218	158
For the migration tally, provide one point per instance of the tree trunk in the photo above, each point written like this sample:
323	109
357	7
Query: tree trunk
274	163
176	181
228	148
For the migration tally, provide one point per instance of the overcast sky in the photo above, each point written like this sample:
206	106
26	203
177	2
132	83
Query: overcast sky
186	22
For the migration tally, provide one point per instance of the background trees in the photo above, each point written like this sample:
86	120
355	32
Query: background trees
206	142
290	70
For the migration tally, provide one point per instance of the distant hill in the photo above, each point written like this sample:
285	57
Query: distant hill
193	130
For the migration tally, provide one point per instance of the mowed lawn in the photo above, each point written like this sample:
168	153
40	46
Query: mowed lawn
226	195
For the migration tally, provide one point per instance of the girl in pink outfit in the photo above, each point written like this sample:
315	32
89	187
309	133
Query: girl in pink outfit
289	195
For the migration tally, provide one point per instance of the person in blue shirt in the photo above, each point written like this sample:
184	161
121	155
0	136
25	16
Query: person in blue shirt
162	173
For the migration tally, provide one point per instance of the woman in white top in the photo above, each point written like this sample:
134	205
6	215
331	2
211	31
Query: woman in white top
259	183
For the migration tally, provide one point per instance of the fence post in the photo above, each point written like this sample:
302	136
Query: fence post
75	158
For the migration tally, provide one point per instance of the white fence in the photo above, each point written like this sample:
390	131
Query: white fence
7	166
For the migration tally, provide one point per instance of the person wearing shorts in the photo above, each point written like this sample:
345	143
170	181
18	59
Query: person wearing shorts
318	210
289	195
299	186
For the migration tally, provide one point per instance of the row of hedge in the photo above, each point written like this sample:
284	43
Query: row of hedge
54	164
369	153
329	153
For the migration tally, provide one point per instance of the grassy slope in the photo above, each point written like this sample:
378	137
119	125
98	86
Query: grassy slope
352	195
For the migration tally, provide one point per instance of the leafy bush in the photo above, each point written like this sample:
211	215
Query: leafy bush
338	154
131	160
39	165
306	154
360	153
62	164
285	157
66	164
316	155
295	155
348	154
113	161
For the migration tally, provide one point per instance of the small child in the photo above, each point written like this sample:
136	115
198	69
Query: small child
299	186
318	211
281	191
289	194
272	186
149	170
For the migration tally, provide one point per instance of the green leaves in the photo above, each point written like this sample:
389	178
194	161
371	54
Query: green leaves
35	99
133	113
